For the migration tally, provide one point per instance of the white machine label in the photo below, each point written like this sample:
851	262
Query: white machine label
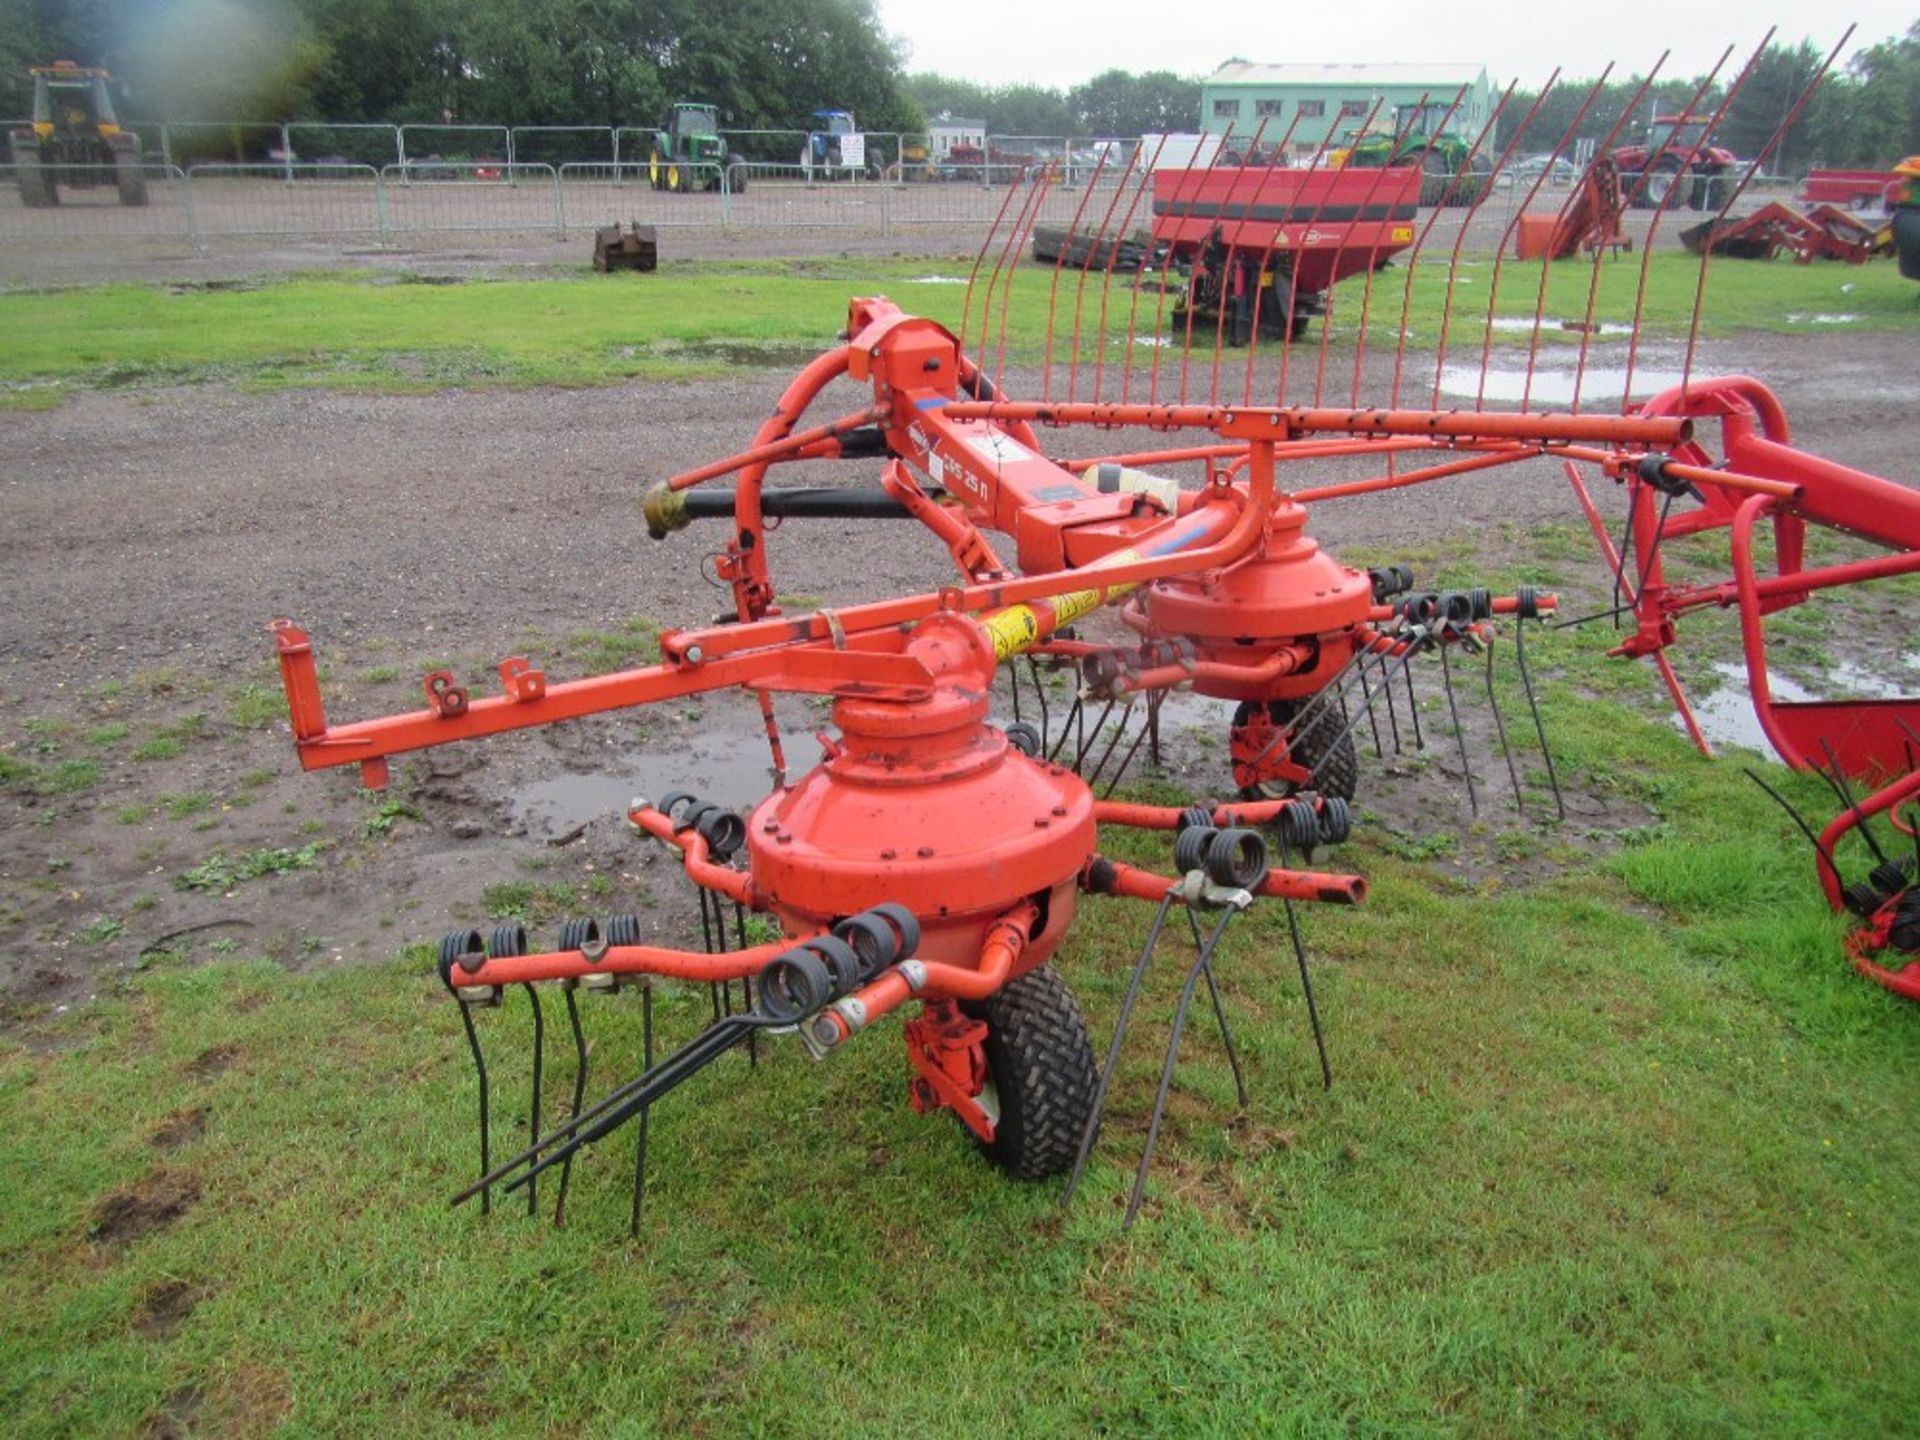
853	151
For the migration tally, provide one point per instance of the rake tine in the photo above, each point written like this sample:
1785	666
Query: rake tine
646	1113
684	1062
480	1069
1155	699
1081	749
1119	733
1120	1026
1071	721
1413	706
1166	1070
1306	987
1459	734
1040	695
1794	815
1373	724
1393	716
1533	708
579	1094
1500	729
1126	760
1406	662
746	985
1220	1014
533	1112
1838	781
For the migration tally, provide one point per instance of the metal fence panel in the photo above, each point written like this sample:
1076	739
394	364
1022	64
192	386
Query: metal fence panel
313	142
595	195
285	200
444	195
232	142
92	210
454	144
774	196
562	145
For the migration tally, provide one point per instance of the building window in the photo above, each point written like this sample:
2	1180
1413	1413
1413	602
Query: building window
1226	109
1266	107
1352	107
1311	108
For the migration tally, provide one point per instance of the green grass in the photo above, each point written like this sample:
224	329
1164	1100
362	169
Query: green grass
1627	1150
699	318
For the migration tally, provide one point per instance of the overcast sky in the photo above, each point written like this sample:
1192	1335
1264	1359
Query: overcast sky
1004	42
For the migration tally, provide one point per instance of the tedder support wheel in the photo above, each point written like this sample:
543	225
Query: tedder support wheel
1040	1075
1322	741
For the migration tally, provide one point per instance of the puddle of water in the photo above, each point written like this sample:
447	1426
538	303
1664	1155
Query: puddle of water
725	766
1523	324
1552	387
1727	717
1801	317
938	280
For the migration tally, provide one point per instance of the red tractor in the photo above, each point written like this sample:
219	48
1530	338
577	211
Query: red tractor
1677	147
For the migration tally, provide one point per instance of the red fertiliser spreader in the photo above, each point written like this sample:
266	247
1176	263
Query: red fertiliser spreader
1263	245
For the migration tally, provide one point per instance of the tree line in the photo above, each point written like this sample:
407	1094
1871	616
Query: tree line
769	64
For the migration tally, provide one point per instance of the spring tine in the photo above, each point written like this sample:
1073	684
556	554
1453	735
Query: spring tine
594	1121
533	1111
646	1113
1500	729
480	1069
1306	988
1067	724
1155	699
1413	705
1040	695
579	1094
1533	708
1805	829
1373	724
1220	1014
1459	733
1845	791
1127	759
1406	662
746	985
1120	1025
1166	1070
1114	738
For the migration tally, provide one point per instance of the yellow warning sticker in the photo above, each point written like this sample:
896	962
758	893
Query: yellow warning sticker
1403	234
1012	630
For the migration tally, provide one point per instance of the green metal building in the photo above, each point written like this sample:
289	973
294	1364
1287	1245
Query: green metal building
1307	103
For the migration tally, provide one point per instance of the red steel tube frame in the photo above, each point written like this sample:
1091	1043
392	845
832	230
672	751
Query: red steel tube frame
1136	883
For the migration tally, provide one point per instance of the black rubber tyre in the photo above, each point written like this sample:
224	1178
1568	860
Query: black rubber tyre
1341	775
36	190
1660	180
132	181
1906	240
1435	180
1040	1075
736	175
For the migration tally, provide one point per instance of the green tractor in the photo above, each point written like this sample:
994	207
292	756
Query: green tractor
1451	173
689	154
74	139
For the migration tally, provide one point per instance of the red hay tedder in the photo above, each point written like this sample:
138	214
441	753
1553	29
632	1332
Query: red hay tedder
942	845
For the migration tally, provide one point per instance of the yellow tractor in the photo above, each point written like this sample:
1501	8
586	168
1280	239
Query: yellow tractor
74	140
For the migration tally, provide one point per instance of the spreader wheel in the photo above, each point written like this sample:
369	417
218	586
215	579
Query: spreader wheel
1040	1075
1323	740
